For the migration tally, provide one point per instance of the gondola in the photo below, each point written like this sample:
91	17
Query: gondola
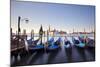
78	43
35	45
17	47
90	43
82	39
67	43
53	46
32	42
67	46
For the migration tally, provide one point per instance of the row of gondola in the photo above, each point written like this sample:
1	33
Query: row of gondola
38	46
53	45
82	42
32	46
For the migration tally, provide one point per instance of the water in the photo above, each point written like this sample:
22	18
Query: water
61	56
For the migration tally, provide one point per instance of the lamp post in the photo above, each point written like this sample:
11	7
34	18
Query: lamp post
19	30
19	18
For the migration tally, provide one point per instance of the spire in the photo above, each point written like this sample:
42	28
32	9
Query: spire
41	30
32	34
41	33
49	28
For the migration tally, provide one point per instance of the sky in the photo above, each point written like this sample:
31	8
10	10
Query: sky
64	17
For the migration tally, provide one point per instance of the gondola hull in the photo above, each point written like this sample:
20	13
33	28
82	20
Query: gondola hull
78	44
68	46
33	49
52	48
90	43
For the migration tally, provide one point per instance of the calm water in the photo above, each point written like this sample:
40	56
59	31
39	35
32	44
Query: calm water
61	56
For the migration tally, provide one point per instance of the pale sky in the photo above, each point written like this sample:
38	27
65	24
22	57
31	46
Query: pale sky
59	16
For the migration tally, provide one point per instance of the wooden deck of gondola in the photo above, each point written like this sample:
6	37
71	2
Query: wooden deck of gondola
17	48
15	51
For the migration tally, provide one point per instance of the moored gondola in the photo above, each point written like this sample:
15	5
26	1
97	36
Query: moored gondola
53	46
78	43
90	43
17	47
67	45
35	45
81	39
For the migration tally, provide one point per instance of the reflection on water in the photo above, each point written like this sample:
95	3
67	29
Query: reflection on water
68	52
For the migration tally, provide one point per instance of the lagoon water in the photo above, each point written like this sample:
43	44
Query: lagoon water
60	56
